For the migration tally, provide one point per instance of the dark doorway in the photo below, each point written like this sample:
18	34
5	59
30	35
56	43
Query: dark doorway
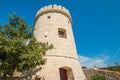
63	74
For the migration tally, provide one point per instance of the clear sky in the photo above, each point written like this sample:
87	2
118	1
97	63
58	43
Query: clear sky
96	26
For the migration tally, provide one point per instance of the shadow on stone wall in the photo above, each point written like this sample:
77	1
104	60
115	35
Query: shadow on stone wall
25	76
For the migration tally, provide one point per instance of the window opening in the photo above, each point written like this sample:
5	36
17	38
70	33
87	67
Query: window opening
48	17
62	33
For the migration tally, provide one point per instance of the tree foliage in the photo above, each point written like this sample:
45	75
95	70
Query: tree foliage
114	68
84	67
19	50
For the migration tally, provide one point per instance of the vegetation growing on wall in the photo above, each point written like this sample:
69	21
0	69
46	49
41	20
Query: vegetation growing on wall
97	77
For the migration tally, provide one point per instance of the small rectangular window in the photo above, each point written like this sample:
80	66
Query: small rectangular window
62	33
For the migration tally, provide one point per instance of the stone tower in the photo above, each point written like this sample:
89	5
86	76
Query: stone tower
53	24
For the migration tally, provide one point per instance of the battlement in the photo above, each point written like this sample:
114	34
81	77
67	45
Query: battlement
53	8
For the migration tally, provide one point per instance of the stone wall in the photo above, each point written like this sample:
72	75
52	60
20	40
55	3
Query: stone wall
110	75
48	22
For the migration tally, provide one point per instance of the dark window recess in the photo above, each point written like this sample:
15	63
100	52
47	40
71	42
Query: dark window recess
48	17
45	35
62	33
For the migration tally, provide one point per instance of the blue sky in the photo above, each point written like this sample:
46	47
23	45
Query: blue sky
96	26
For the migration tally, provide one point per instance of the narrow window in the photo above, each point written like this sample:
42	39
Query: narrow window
62	33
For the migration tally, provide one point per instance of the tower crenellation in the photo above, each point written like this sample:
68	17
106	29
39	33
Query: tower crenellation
53	8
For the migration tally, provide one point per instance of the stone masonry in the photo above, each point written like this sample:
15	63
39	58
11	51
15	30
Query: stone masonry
109	75
53	24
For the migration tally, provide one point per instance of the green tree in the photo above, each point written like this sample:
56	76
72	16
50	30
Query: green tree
84	67
110	68
97	77
19	50
116	64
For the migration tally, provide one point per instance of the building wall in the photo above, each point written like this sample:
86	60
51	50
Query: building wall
64	53
50	27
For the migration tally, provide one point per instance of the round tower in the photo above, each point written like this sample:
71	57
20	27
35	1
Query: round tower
53	24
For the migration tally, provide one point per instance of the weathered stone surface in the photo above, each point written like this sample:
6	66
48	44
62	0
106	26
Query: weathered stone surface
64	54
110	75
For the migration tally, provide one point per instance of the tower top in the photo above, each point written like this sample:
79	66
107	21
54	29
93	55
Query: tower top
53	8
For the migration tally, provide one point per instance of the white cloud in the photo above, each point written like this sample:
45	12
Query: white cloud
105	58
94	61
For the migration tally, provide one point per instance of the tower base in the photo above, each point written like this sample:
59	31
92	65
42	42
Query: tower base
61	68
